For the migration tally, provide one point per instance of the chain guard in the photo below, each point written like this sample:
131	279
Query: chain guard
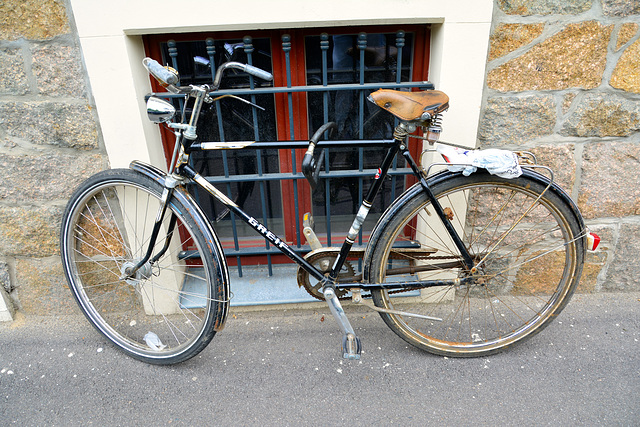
327	256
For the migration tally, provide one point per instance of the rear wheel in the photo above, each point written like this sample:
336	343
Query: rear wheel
526	243
165	312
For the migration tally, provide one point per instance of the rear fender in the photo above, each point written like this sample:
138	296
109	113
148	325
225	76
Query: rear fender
443	176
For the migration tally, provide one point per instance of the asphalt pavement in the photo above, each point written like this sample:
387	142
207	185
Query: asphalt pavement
283	367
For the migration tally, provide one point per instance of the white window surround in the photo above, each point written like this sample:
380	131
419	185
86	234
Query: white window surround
111	32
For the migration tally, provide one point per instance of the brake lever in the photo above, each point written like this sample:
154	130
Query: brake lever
209	100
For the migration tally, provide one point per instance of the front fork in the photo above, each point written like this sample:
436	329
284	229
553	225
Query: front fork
170	184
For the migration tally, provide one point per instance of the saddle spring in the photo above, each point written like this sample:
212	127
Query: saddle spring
432	128
433	131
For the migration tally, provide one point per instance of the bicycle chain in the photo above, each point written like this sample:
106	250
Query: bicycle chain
330	255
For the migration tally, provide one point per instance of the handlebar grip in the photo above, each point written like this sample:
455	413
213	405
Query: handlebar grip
257	72
163	75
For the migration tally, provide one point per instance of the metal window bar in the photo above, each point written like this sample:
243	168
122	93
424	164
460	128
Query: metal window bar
295	175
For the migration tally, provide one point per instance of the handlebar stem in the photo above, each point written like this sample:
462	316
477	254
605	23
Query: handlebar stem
199	93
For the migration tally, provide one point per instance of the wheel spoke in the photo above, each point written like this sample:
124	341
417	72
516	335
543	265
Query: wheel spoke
527	248
162	313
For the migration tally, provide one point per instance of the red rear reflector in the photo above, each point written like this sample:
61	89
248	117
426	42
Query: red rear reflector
593	240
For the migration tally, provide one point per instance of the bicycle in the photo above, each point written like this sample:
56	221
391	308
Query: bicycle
490	260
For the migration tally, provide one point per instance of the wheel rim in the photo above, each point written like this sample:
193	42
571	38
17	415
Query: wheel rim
504	304
163	309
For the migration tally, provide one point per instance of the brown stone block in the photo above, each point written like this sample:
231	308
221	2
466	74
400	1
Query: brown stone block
624	271
42	288
626	75
575	57
29	231
32	19
50	123
609	184
541	277
516	120
43	178
601	115
561	160
509	37
627	31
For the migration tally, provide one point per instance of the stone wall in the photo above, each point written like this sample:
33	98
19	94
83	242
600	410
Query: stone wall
563	81
50	141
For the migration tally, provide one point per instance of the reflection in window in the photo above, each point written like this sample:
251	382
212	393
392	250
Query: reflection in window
355	116
232	120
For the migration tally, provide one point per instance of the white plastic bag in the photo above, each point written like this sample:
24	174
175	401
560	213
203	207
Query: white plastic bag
502	163
153	341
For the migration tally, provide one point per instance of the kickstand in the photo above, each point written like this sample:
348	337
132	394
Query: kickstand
351	347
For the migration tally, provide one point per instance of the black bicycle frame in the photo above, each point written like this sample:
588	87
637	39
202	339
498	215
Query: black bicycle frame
331	280
260	228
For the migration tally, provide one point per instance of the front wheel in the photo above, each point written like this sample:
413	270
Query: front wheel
168	310
527	245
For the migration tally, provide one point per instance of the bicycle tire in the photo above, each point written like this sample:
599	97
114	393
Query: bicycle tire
527	233
170	310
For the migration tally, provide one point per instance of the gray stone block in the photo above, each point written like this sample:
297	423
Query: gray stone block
13	79
601	115
5	278
58	71
609	185
621	8
515	120
624	271
51	176
50	123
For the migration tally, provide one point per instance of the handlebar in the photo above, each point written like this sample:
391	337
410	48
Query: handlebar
259	73
249	69
168	78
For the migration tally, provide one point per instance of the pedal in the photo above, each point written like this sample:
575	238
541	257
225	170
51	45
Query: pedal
351	347
309	234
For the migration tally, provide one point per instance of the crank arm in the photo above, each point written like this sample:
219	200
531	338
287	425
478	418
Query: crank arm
357	298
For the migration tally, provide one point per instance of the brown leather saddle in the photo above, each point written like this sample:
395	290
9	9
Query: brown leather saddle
410	106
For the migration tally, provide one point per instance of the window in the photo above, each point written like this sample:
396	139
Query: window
306	60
